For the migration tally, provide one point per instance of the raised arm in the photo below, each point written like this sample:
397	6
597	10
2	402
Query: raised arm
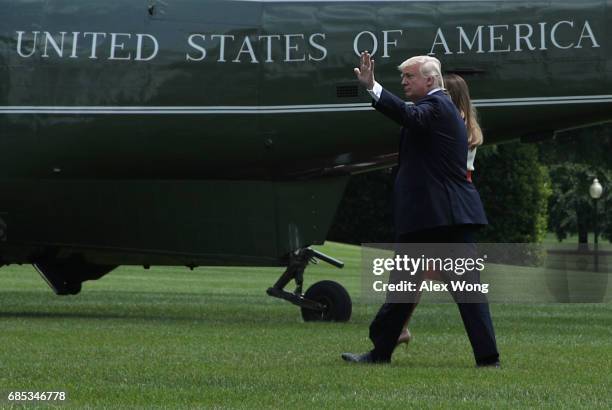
409	116
395	108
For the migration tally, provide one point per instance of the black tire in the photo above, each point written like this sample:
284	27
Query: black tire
334	297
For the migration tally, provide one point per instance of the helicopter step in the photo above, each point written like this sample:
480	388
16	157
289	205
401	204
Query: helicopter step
66	275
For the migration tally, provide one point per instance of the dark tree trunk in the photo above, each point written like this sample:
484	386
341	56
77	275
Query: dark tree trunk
583	235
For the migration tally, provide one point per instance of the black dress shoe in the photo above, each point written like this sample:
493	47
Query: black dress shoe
361	358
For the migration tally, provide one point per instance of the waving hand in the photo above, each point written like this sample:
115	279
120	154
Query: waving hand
365	72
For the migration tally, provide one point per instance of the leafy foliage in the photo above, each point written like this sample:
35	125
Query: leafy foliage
574	159
514	188
571	208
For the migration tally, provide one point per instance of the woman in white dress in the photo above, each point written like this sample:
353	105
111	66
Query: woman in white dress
460	94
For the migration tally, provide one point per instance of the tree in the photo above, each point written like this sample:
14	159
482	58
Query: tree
575	158
571	207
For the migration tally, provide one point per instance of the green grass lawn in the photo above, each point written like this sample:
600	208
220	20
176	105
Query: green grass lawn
551	239
211	338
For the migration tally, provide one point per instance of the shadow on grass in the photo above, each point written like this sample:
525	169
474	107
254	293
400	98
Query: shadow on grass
200	319
204	308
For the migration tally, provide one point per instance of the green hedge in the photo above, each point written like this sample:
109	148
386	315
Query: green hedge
514	188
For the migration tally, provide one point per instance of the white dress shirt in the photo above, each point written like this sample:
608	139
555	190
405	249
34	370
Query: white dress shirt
376	91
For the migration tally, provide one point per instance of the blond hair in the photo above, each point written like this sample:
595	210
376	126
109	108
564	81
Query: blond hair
460	94
429	67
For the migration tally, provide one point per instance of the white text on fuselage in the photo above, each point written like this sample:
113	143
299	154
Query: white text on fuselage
508	38
300	47
146	47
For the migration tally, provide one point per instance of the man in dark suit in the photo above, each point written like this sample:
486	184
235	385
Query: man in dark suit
433	200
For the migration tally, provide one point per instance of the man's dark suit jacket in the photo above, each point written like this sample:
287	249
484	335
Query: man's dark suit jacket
431	187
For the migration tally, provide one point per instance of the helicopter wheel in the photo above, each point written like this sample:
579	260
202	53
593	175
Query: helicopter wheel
335	299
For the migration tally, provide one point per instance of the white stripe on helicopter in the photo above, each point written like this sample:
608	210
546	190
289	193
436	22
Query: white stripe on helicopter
289	109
